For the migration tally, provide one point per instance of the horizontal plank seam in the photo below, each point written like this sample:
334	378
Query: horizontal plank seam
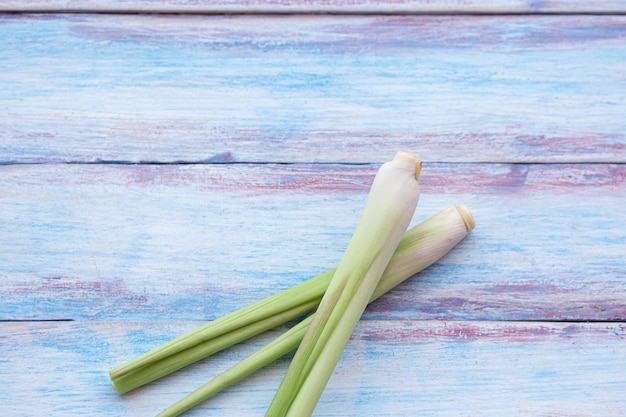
253	163
37	320
619	320
236	12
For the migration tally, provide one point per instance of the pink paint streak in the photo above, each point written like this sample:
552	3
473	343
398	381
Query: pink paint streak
492	332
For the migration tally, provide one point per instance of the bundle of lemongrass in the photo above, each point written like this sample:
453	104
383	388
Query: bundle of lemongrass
377	259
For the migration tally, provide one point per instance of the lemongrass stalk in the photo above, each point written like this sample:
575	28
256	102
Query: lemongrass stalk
277	348
420	247
292	300
287	300
179	360
388	211
413	254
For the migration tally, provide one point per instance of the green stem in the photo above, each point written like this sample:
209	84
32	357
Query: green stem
307	294
389	208
420	247
179	360
279	347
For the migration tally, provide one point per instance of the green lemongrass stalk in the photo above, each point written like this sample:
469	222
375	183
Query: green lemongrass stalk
277	348
291	299
420	247
179	360
388	211
413	254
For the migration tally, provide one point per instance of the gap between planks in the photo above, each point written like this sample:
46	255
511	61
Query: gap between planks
270	13
406	7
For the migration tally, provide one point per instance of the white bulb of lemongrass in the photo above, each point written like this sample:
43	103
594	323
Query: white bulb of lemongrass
388	211
420	247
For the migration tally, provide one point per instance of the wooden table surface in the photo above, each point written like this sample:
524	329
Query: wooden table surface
163	163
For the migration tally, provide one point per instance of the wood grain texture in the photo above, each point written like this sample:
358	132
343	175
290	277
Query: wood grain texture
92	88
178	242
159	171
316	6
389	368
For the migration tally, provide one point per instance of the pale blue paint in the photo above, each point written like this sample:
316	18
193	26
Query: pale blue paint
136	254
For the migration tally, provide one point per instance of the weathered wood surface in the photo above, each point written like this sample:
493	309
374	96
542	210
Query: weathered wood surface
389	368
175	242
317	6
90	88
279	123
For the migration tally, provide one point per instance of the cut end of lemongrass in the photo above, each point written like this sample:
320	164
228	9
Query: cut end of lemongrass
411	161
467	217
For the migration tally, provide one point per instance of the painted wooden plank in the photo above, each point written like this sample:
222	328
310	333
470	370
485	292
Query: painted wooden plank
389	368
89	88
317	6
181	242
